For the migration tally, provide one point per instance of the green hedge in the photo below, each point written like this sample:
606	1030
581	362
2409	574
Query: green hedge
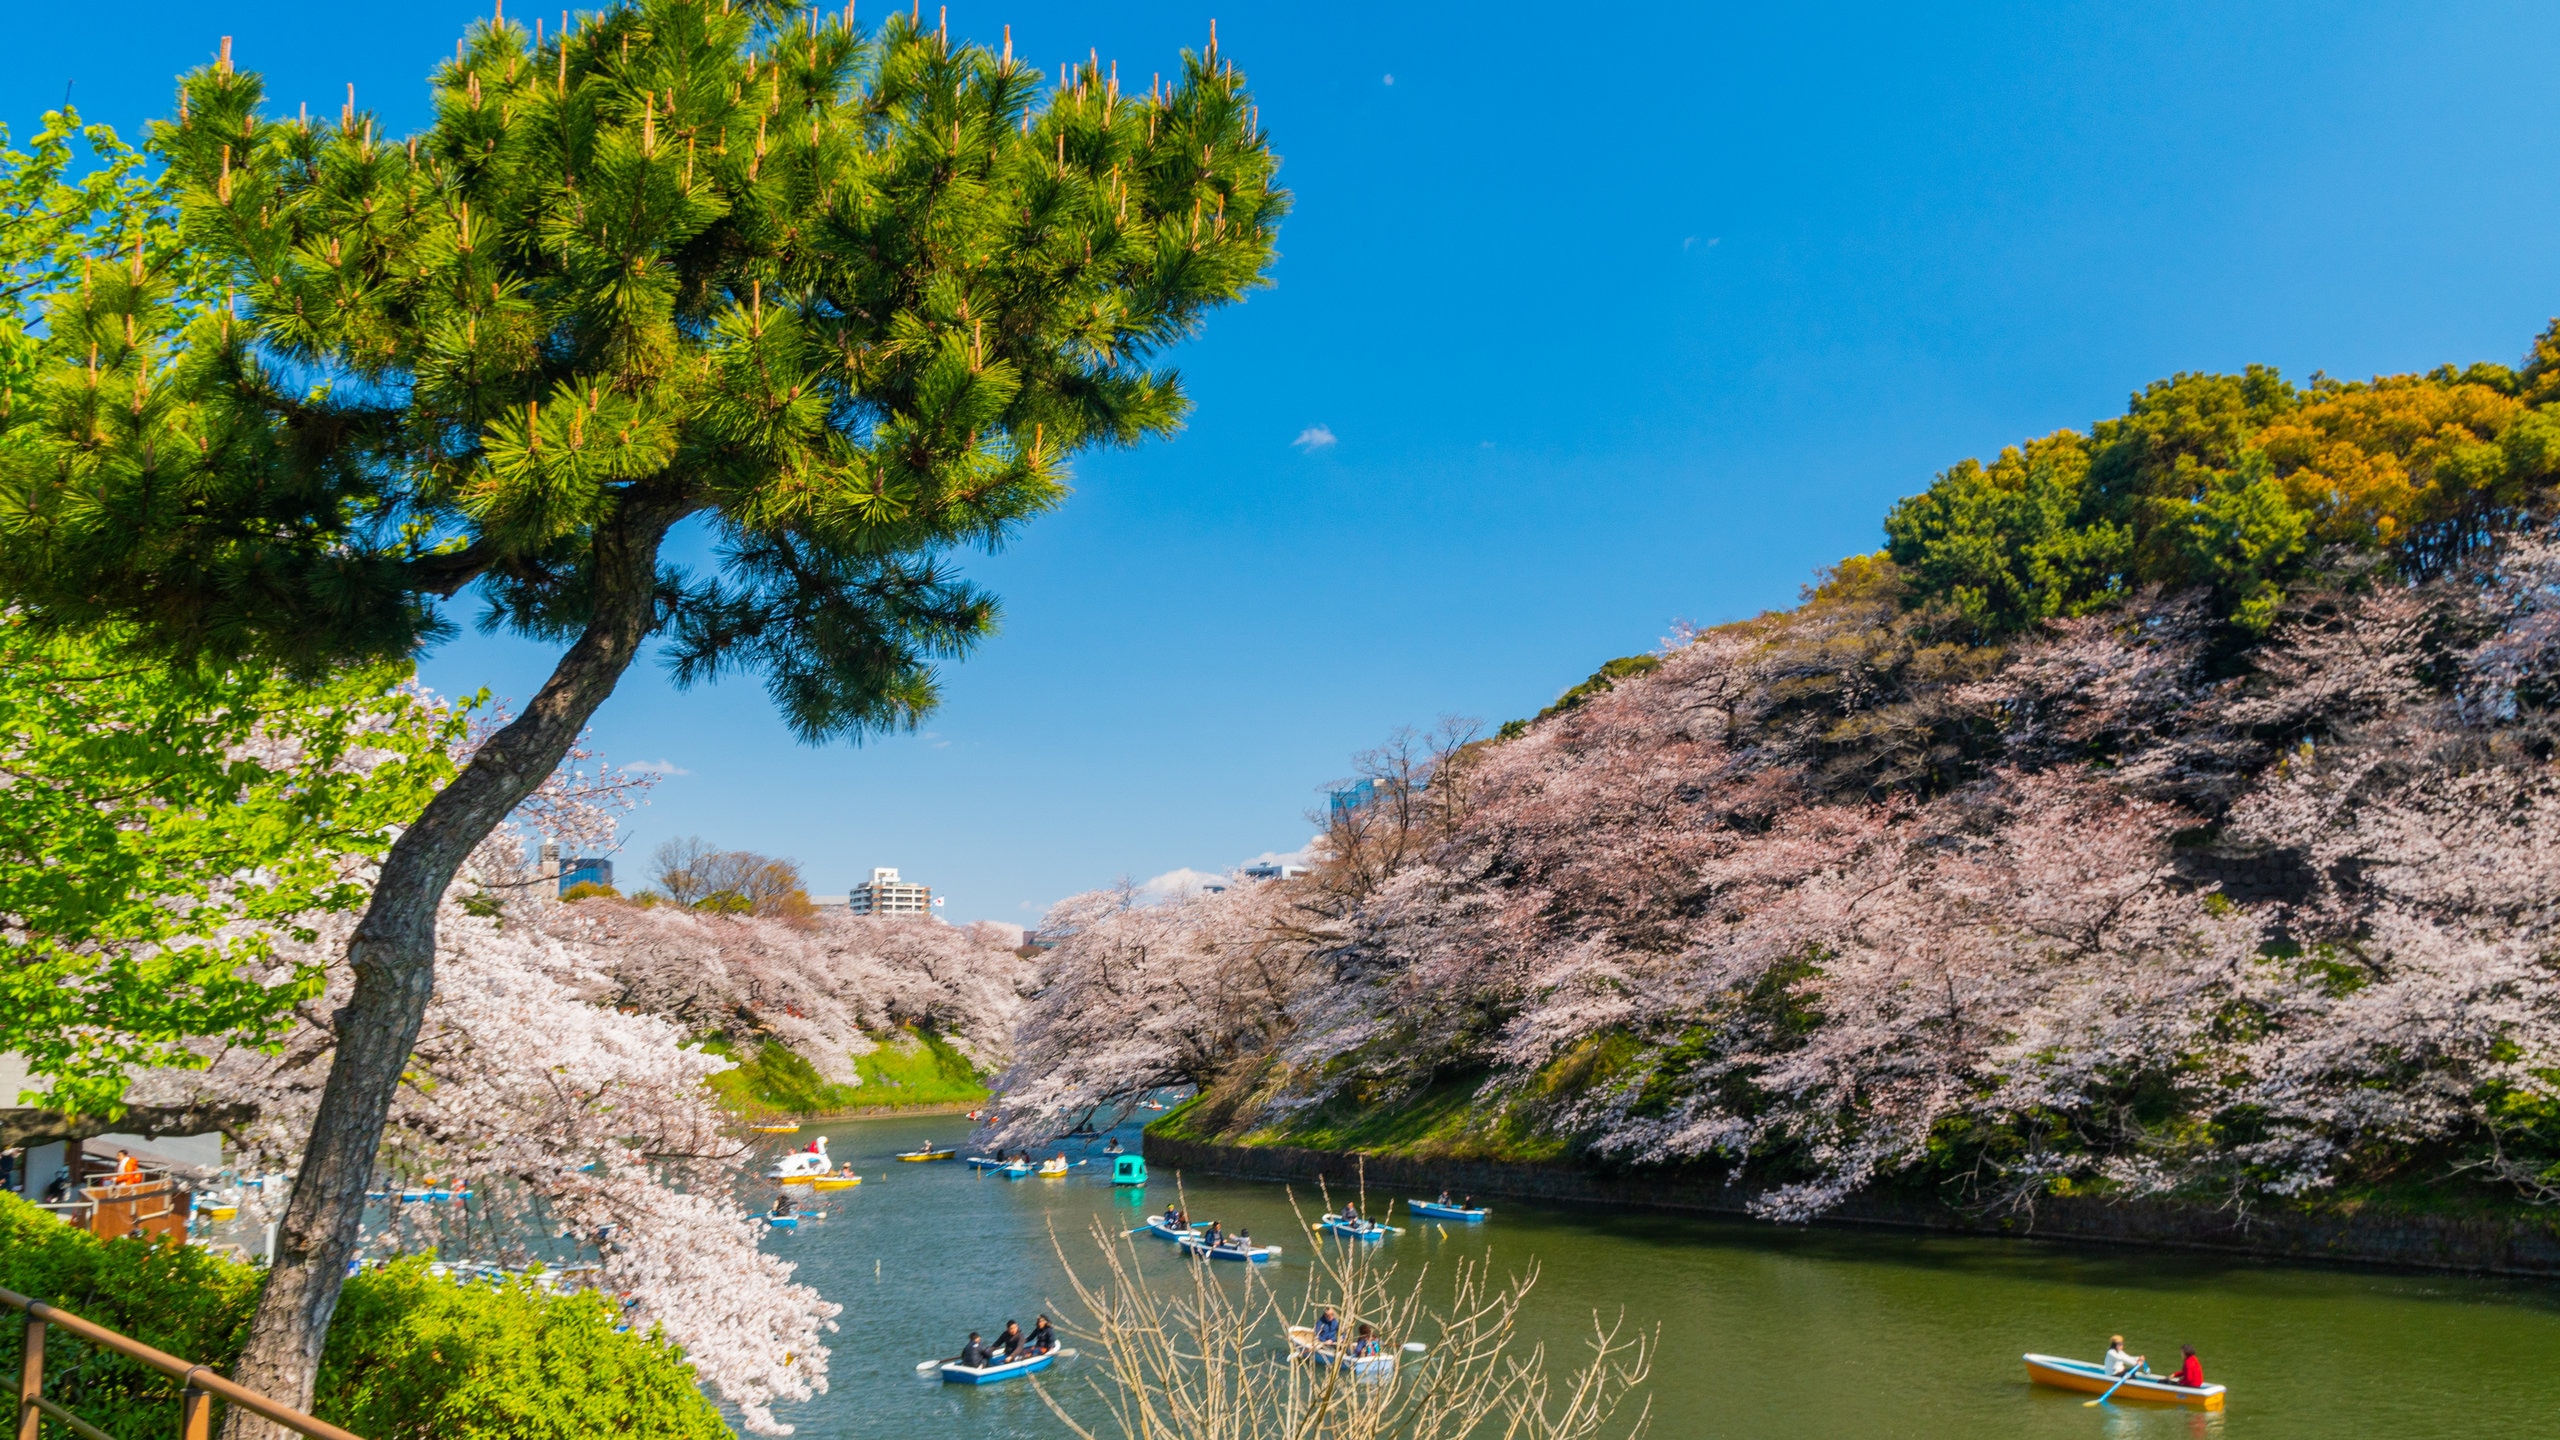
410	1355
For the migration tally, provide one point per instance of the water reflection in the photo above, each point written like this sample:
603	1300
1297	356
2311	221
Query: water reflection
1770	1334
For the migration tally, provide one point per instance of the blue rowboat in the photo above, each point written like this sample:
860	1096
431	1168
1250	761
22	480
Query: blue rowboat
1016	1172
1434	1210
987	1162
1304	1345
1156	1224
1369	1231
783	1222
955	1373
1199	1246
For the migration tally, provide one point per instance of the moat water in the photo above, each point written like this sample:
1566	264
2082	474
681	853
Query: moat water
1769	1333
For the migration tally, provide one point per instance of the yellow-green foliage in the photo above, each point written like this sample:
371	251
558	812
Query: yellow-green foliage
911	1067
2236	483
409	1356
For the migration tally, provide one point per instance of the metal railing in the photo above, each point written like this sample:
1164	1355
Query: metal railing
198	1385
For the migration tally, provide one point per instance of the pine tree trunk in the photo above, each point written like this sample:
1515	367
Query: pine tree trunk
393	955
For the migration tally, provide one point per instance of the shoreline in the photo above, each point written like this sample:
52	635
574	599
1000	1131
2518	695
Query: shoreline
868	1112
2506	1246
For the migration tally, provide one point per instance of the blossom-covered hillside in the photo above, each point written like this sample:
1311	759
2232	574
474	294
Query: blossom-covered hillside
828	1012
2167	809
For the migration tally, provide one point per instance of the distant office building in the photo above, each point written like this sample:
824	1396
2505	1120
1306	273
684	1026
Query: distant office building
886	894
1359	797
585	870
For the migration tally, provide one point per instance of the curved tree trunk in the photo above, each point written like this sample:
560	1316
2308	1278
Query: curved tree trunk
393	954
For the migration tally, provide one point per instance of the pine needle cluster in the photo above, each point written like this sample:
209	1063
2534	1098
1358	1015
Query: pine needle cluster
849	298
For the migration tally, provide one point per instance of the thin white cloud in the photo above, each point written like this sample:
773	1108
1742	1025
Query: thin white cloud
1174	884
1304	855
1391	79
658	767
1315	437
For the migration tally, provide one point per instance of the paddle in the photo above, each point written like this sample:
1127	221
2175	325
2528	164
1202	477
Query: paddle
2129	1374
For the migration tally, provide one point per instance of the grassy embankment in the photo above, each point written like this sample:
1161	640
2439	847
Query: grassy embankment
910	1068
1458	1117
1476	1117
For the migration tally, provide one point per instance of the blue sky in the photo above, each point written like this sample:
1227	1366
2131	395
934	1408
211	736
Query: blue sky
1583	324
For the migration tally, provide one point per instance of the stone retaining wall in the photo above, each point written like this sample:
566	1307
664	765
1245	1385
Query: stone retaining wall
2525	1245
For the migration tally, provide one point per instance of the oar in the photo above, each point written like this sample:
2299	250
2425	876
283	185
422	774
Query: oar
924	1365
2129	1374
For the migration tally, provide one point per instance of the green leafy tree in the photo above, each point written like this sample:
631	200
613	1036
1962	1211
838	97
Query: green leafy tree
160	826
839	302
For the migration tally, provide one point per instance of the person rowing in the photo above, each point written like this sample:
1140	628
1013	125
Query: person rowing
1042	1339
1008	1345
974	1354
2119	1362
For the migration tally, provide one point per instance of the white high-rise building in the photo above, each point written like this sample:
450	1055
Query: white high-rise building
886	894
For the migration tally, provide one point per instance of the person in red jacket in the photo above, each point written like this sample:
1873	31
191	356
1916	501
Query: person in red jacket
2191	1374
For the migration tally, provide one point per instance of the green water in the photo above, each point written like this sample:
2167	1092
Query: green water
1769	1334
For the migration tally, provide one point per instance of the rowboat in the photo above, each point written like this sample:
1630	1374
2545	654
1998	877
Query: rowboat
417	1197
834	1182
1304	1345
2090	1378
775	1129
987	1162
1434	1210
1199	1246
955	1373
783	1222
1158	1226
1052	1169
926	1153
1369	1231
1019	1170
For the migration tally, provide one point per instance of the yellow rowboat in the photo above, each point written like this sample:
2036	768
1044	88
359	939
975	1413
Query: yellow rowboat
775	1129
834	1182
917	1156
2093	1379
219	1212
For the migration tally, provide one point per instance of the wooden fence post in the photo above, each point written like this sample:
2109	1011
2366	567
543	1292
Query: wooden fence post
31	1382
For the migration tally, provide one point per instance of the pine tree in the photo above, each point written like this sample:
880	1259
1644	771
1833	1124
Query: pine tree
844	301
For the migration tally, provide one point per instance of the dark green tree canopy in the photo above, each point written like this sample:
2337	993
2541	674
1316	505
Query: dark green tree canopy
852	299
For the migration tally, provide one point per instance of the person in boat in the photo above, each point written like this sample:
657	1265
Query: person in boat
1367	1344
1328	1327
1444	1197
1008	1345
2191	1370
1111	1147
1214	1234
1041	1340
1243	1240
783	1204
2119	1362
974	1354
